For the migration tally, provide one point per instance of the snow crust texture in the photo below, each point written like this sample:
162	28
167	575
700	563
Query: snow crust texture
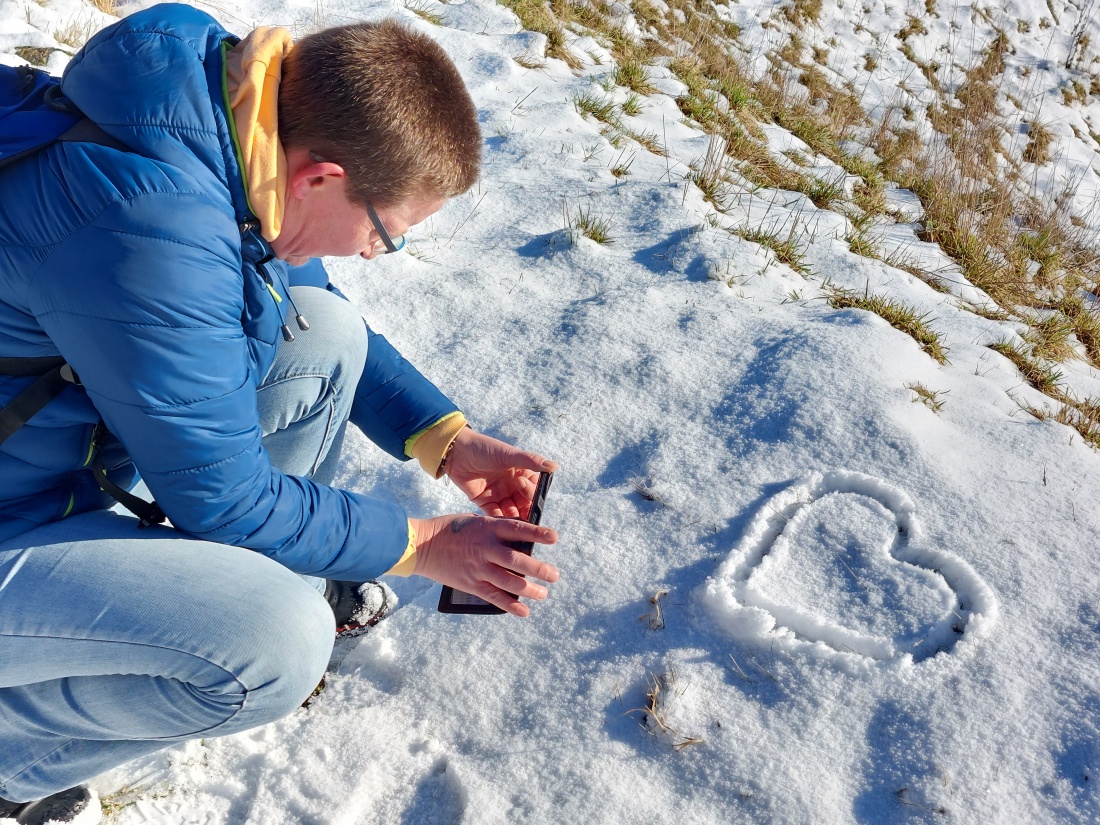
790	592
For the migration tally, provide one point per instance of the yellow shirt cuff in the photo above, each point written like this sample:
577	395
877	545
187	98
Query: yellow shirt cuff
429	445
407	564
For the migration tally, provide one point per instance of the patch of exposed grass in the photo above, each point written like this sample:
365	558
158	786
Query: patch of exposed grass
990	313
784	249
632	106
895	313
634	76
536	16
860	244
35	55
797	158
823	193
602	109
621	168
870	196
1049	338
913	27
424	10
1086	326
592	227
930	398
588	15
800	12
816	83
1084	416
811	130
647	140
74	34
1046	379
711	176
655	714
758	166
530	61
917	271
1039	139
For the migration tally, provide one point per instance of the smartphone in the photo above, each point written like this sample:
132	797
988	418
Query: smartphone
455	601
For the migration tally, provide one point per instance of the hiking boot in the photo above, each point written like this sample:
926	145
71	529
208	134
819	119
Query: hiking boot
358	605
76	806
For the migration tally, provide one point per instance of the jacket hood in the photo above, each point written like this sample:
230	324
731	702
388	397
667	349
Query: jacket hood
254	72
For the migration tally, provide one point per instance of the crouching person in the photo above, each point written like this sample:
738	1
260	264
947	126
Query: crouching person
162	260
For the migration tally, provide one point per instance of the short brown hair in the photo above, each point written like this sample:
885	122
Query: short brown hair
387	104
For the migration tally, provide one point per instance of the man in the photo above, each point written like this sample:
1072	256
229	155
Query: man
171	261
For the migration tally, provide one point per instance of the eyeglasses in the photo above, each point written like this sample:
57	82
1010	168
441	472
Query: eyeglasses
387	244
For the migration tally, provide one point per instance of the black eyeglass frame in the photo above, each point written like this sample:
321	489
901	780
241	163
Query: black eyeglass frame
390	243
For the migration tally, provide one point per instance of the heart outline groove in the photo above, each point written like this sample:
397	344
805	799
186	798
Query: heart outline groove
747	615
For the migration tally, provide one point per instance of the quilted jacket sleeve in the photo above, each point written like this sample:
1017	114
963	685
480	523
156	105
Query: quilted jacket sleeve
145	302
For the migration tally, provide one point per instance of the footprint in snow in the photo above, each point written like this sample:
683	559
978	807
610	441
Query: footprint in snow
837	562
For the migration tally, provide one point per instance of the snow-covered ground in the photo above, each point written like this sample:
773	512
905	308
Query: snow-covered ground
789	592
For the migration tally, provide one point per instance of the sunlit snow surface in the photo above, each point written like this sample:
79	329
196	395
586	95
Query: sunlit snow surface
874	613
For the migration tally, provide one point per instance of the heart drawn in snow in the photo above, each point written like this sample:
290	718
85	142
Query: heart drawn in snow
837	560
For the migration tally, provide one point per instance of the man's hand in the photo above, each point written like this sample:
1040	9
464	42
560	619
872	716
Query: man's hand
468	552
497	477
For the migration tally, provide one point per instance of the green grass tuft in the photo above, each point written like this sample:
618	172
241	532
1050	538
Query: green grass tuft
1046	379
597	229
930	398
897	315
784	250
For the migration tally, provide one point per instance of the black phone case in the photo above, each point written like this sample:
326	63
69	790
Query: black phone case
455	601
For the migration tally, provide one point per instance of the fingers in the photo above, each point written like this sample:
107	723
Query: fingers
538	463
505	508
498	598
516	585
470	552
527	460
526	565
512	530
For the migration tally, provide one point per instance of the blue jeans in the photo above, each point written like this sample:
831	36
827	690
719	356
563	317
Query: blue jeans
116	642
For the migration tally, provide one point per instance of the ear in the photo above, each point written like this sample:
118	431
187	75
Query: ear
306	175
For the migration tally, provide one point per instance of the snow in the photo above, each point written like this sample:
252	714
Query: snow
872	612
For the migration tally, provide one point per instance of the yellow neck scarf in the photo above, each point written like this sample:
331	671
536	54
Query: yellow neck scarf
253	71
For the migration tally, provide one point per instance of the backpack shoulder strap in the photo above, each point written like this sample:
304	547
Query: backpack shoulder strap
54	375
86	130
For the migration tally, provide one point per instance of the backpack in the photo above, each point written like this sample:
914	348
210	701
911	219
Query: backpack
33	114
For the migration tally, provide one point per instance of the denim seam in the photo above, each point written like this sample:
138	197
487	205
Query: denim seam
4	784
326	442
71	740
330	393
222	667
204	659
327	378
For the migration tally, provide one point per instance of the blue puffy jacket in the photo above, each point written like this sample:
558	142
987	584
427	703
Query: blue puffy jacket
130	266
